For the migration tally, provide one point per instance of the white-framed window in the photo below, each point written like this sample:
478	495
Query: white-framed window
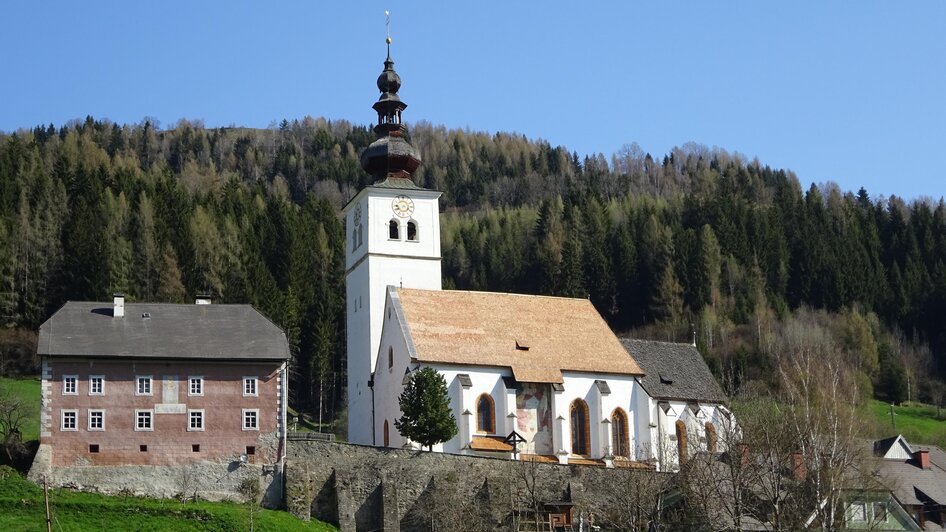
70	385
859	511
96	420
249	386
144	420
143	385
195	420
96	384
195	385
250	419
69	420
880	512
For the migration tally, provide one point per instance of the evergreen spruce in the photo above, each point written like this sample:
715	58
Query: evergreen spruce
427	418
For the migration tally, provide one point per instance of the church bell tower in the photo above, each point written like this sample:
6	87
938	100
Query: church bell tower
392	232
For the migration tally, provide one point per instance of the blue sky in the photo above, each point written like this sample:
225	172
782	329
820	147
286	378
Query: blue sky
851	92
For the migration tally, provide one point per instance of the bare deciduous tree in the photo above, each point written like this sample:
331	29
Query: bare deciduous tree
13	414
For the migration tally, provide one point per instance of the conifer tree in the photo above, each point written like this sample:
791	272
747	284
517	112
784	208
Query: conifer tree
426	418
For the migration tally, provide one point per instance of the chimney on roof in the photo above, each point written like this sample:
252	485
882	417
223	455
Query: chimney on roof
922	458
799	471
202	299
118	309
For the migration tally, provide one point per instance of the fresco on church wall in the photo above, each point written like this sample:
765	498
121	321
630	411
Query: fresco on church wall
534	417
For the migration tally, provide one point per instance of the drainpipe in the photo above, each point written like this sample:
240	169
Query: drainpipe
374	429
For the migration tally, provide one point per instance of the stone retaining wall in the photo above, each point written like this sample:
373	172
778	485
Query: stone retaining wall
220	480
367	488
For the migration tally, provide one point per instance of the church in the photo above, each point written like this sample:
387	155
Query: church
534	376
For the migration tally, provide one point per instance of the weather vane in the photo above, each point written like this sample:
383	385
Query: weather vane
387	25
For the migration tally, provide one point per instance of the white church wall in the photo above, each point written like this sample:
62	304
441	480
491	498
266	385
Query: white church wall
665	443
600	407
484	380
389	379
642	408
426	214
374	263
360	363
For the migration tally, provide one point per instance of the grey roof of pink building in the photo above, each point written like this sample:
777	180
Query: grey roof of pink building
162	330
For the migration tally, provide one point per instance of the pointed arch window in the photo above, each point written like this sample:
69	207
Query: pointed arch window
354	240
387	434
394	230
485	414
581	433
412	231
620	437
361	234
390	357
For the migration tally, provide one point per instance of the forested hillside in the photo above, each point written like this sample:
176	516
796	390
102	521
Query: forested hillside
697	239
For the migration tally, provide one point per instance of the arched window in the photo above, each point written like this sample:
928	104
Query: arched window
361	234
390	357
354	240
387	436
710	437
620	440
412	231
581	434
682	441
485	414
394	230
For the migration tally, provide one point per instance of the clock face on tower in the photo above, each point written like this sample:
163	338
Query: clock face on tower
402	206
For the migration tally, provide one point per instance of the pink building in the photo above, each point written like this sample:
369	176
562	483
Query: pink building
151	384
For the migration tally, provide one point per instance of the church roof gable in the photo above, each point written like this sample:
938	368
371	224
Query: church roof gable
483	328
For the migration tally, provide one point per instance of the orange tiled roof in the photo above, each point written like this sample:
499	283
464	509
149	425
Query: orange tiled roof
541	458
490	443
538	337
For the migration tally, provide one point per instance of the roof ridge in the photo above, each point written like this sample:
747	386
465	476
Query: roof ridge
622	338
542	296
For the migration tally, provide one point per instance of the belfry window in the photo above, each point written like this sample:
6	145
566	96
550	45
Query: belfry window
394	230
412	231
485	414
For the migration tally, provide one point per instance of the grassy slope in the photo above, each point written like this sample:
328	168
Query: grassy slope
27	390
21	508
917	422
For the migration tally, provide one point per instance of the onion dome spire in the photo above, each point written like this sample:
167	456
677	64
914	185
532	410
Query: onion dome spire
391	156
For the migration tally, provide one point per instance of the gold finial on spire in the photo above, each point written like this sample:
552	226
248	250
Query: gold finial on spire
387	27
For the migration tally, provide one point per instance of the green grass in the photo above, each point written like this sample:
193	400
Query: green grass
27	389
21	508
919	423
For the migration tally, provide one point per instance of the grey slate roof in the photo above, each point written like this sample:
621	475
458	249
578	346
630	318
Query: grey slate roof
222	332
674	371
908	482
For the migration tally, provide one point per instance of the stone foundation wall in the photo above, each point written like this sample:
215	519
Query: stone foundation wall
367	488
220	480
